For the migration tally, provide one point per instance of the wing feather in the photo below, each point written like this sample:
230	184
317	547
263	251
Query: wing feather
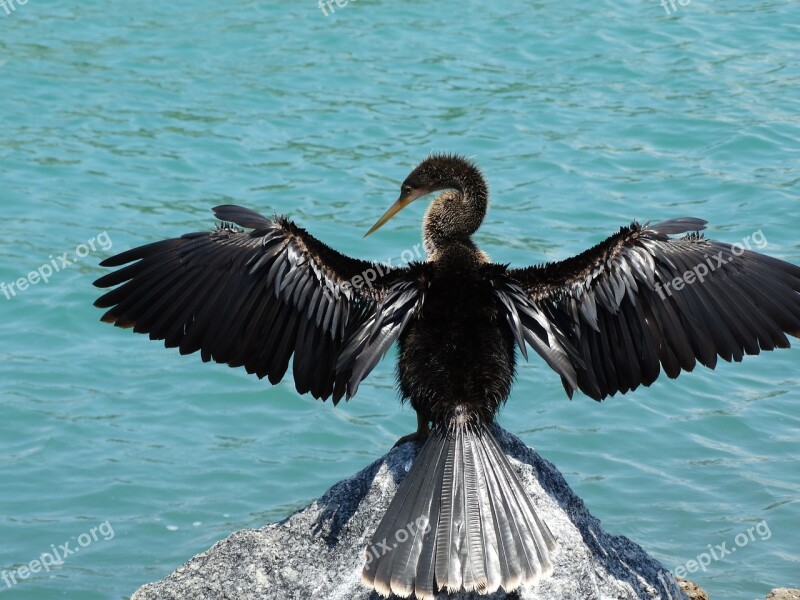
256	299
641	302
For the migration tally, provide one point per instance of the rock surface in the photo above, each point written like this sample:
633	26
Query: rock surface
319	551
694	591
784	594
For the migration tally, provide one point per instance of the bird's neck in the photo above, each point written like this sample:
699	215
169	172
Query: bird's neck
450	221
461	252
474	196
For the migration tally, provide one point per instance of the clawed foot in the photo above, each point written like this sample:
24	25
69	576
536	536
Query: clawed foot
411	437
419	436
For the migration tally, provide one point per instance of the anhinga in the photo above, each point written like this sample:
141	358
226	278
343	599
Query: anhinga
606	321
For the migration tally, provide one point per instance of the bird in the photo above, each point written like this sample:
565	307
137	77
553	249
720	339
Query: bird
255	292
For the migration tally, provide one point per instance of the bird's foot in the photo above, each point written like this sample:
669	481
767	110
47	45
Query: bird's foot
411	437
419	436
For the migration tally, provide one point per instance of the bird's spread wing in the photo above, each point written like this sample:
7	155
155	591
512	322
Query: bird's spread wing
610	318
256	298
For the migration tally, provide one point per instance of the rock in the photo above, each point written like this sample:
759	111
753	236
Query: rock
319	551
784	594
694	591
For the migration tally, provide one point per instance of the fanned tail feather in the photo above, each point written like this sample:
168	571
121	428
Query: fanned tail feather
460	520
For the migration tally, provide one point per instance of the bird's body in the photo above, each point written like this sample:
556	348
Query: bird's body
607	321
457	350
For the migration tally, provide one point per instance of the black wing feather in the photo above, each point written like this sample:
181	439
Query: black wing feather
617	308
255	299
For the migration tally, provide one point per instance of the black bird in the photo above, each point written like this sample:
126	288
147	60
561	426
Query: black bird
607	321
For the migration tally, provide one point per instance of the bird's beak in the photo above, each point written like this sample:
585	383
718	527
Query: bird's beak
403	201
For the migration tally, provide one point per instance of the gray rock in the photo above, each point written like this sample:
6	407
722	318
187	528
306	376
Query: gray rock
319	551
784	594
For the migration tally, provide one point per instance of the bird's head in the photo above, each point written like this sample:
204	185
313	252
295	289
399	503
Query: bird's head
437	172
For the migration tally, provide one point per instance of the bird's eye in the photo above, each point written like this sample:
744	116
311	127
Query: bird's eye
406	189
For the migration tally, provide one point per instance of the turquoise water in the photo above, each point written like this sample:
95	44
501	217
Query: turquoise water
124	122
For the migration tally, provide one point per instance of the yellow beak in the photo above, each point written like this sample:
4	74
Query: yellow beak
403	201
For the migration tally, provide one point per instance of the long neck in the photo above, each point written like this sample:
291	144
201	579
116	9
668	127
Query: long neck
454	216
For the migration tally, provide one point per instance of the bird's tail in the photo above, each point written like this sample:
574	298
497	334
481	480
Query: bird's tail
460	520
